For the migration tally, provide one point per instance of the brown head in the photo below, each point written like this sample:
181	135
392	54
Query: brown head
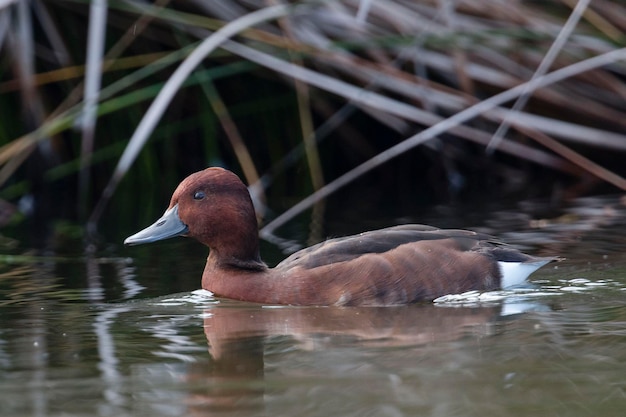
214	207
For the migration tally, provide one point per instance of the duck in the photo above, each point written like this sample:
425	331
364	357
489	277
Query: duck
397	265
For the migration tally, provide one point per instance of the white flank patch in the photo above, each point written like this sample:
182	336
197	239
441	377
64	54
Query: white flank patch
515	273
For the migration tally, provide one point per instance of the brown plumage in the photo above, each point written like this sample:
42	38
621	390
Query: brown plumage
396	265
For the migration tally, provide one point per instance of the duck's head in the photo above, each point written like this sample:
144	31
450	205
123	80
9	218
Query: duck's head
212	206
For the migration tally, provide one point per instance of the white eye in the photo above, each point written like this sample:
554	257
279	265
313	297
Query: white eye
198	195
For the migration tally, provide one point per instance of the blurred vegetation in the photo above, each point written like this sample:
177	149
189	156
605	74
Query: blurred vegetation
386	71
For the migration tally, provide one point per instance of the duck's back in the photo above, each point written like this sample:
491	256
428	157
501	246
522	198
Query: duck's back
397	265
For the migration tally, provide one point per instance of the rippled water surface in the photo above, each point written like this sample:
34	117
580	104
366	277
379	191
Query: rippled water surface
124	333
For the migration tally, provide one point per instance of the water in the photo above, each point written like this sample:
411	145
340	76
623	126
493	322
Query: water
127	333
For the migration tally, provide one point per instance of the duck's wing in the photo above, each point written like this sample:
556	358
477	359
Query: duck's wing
380	241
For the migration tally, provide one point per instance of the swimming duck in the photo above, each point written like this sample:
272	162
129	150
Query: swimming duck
397	265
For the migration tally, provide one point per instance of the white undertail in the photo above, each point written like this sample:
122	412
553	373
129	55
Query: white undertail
515	273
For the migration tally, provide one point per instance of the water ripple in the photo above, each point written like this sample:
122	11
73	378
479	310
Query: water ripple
539	288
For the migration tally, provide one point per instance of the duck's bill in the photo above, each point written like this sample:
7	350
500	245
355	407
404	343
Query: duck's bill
169	225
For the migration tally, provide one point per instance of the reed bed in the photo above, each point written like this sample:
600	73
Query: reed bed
110	100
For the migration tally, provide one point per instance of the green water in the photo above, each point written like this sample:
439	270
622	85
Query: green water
123	333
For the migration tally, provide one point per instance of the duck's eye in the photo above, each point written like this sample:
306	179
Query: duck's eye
198	195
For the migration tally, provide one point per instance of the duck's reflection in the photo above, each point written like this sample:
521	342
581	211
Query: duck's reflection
238	335
385	326
232	380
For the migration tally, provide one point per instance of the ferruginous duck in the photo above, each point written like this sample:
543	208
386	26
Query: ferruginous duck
397	265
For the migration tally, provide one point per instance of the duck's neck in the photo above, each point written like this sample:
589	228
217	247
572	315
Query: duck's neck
246	280
244	259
